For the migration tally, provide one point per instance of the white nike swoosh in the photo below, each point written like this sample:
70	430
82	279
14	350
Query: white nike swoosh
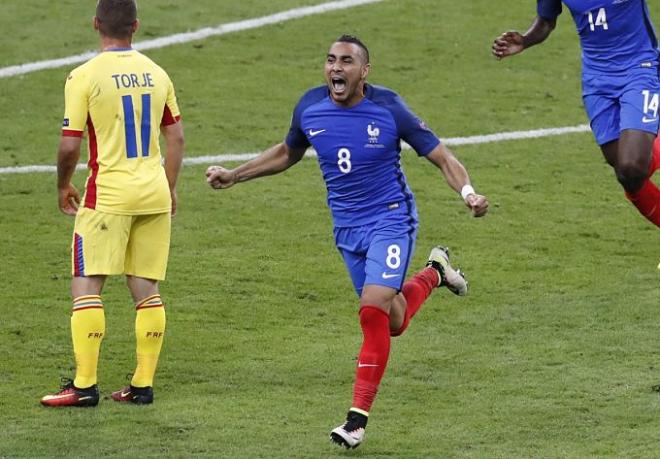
313	133
649	120
125	394
360	365
390	276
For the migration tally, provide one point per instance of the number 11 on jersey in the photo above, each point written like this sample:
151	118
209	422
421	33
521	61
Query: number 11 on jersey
129	125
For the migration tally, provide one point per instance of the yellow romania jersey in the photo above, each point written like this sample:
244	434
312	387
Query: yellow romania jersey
122	97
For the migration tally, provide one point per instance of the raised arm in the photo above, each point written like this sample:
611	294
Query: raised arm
274	160
512	42
174	147
457	178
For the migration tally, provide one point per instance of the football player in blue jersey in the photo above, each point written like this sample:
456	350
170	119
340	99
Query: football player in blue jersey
620	83
356	129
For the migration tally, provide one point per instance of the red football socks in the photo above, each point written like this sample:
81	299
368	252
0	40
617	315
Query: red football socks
373	357
647	201
416	290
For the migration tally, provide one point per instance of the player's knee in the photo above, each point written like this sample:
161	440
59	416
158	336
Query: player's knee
381	300
631	174
398	330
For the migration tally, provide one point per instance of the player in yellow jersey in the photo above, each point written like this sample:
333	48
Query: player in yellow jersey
122	224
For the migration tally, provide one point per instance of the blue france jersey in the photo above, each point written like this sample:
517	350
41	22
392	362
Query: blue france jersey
359	152
616	35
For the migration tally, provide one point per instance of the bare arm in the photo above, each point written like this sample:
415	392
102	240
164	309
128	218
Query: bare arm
512	42
67	158
274	160
174	147
458	179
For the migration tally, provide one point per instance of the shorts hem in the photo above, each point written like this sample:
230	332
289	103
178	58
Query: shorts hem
149	276
637	128
397	287
88	274
607	140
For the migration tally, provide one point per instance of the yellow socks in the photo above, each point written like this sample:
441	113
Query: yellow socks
87	330
149	332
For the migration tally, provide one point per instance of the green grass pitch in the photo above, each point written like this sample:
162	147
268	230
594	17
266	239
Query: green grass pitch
553	353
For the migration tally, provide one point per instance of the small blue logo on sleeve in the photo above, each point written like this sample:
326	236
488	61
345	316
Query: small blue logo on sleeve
65	123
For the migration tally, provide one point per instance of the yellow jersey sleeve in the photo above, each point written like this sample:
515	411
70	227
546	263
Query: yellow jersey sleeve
76	96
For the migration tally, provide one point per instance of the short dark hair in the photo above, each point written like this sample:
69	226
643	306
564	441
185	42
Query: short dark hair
116	17
355	40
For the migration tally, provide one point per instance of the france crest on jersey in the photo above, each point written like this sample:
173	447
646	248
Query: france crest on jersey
359	152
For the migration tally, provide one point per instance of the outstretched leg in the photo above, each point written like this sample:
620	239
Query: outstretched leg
417	289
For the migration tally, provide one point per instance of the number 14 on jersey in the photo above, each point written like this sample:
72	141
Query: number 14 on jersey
601	20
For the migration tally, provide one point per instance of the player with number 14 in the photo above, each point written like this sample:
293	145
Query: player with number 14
620	85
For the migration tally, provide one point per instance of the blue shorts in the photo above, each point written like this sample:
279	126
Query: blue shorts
378	253
623	101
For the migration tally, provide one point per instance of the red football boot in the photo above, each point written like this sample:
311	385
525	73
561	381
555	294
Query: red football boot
137	395
70	395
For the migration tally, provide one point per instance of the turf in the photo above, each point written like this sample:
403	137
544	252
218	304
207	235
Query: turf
553	353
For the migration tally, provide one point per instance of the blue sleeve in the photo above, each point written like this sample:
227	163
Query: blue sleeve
412	129
296	137
548	9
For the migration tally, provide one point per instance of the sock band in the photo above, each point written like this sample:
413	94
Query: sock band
87	302
153	301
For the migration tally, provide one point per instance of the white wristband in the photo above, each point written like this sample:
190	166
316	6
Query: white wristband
466	191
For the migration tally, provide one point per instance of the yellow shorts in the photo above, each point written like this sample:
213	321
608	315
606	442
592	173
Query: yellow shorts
108	244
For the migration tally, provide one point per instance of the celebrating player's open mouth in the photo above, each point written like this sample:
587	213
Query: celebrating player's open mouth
344	92
338	85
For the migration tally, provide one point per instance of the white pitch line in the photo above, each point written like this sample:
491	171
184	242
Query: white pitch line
187	37
516	135
452	141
